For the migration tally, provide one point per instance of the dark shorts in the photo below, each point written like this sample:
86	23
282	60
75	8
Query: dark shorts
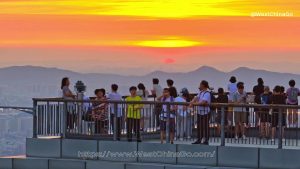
240	117
275	119
265	117
218	117
163	125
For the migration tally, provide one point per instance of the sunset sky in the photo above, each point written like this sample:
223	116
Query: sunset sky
139	36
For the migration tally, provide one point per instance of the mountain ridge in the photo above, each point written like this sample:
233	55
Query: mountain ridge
16	77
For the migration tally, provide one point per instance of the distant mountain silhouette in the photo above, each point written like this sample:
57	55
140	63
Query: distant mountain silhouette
17	76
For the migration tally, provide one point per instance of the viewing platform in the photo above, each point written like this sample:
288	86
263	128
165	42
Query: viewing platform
64	138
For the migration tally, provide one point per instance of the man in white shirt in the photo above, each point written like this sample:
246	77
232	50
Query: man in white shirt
115	96
157	92
201	103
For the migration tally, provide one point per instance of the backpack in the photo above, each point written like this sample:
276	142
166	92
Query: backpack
265	99
213	99
293	95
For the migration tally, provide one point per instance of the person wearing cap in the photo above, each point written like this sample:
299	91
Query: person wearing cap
183	122
201	102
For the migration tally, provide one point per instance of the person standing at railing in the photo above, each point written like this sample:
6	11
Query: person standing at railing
265	118
240	113
277	99
167	98
258	90
68	94
183	118
115	96
100	112
222	98
133	114
201	103
232	88
145	115
292	99
156	92
172	89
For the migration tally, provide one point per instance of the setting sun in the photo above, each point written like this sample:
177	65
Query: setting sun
171	42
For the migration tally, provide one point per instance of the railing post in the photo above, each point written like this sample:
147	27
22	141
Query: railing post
114	128
34	118
64	120
280	129
222	126
168	123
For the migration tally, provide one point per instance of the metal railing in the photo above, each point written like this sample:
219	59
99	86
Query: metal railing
228	124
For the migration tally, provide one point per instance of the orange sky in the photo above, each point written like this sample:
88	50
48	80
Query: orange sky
130	35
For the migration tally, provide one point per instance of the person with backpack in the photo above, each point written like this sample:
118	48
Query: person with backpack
201	102
292	99
167	98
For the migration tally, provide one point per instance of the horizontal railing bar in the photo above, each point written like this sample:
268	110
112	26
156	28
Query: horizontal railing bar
272	106
16	107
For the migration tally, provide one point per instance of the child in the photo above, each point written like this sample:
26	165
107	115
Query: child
265	118
292	99
133	115
167	98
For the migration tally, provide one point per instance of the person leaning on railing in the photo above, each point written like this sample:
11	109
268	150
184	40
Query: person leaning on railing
100	112
201	102
167	98
133	114
240	113
278	98
68	95
115	112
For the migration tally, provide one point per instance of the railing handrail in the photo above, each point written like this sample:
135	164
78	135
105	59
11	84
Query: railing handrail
217	105
16	107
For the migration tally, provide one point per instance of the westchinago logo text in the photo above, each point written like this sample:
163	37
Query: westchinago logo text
272	14
143	154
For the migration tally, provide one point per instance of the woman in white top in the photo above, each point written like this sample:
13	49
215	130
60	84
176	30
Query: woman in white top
183	118
67	94
145	113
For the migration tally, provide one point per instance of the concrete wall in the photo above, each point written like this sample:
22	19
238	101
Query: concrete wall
6	163
107	154
48	148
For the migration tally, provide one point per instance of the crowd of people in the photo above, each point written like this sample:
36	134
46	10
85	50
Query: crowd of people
177	117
